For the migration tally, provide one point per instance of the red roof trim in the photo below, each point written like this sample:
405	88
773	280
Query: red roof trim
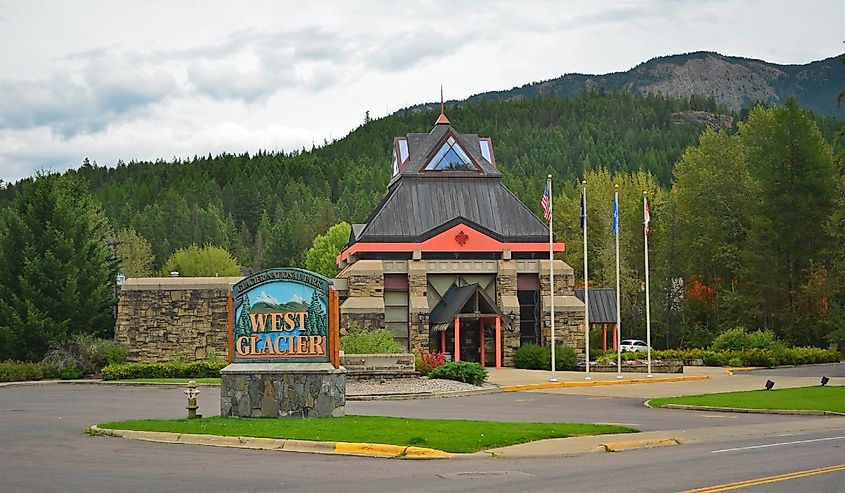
451	240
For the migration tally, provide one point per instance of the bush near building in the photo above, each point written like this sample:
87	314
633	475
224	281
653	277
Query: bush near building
197	369
426	362
461	371
20	371
358	340
535	357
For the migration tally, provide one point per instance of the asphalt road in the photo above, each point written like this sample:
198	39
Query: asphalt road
45	449
830	370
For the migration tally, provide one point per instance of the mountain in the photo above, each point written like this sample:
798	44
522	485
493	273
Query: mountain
734	82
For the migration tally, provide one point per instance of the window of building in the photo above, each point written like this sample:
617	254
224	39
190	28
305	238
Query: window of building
529	316
396	307
486	146
451	157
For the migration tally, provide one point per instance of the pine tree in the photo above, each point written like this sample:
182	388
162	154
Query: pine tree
57	271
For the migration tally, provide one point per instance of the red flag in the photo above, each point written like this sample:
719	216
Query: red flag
646	215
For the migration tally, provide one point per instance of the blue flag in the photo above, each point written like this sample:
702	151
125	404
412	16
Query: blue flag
614	224
583	210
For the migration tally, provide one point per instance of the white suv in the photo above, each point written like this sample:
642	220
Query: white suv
633	345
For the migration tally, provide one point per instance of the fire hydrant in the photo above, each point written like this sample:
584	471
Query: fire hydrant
192	406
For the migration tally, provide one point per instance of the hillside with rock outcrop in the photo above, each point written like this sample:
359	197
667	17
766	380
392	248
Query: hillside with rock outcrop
733	82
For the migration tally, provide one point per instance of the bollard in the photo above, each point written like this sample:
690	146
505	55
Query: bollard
192	406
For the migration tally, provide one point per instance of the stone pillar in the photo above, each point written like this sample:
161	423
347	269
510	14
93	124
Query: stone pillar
508	302
364	305
418	303
569	310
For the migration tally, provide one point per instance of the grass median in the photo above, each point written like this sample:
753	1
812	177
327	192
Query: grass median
801	398
457	436
178	381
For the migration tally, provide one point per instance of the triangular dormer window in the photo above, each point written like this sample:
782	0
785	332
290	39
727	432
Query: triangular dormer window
451	157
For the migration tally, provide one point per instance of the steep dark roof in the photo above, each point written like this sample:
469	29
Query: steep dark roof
602	304
423	203
418	208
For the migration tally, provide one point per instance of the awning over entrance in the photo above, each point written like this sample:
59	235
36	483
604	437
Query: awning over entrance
468	301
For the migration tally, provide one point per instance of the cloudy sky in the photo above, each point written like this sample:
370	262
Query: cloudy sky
156	79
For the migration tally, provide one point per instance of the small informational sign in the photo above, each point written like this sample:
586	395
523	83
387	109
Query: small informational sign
283	315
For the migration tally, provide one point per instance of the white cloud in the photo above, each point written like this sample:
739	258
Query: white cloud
143	80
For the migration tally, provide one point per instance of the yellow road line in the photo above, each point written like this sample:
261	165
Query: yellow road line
766	480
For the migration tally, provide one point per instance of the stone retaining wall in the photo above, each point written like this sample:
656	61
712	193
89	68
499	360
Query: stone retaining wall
377	366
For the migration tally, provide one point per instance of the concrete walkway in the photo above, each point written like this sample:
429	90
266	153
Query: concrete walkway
695	380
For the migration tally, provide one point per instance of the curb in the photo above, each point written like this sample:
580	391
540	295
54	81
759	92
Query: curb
637	444
597	383
420	395
102	382
796	412
283	445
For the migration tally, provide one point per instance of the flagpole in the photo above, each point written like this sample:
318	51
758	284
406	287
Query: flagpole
586	287
647	218
618	304
552	280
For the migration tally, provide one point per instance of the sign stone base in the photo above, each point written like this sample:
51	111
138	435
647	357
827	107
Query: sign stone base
282	390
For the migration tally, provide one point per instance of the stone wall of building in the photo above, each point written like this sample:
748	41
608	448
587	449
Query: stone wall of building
418	303
569	310
368	321
161	319
506	293
364	303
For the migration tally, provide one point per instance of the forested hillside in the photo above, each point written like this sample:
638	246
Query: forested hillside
735	82
266	208
747	221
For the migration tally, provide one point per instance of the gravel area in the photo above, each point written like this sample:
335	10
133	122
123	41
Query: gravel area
408	386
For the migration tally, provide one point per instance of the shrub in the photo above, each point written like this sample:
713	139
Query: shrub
535	357
564	358
532	357
361	341
738	339
731	339
775	355
605	358
83	354
461	371
198	369
426	362
17	371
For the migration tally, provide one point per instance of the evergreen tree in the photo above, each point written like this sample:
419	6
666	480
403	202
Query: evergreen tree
57	271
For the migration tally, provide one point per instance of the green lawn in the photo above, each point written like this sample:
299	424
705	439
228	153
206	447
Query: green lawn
458	436
802	398
181	381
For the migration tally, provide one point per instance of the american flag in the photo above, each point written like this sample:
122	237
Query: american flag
547	201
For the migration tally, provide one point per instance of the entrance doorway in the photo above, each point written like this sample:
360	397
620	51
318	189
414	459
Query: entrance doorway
471	341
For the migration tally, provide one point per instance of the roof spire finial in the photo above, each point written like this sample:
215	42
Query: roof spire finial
442	108
442	120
